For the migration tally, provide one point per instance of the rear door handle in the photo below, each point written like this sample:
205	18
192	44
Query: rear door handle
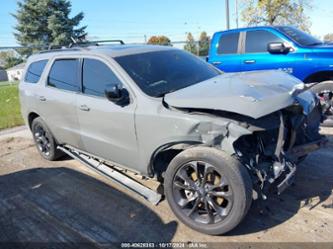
217	63
250	61
84	108
42	98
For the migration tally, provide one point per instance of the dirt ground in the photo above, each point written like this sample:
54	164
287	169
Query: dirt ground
63	201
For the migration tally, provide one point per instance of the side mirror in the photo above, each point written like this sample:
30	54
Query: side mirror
117	95
277	48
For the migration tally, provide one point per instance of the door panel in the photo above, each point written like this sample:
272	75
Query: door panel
107	129
266	61
226	55
57	101
59	110
256	56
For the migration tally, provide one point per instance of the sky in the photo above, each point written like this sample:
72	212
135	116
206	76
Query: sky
132	20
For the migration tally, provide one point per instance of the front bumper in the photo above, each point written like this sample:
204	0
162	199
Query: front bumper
287	180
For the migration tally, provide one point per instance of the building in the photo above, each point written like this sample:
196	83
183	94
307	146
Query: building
15	73
3	75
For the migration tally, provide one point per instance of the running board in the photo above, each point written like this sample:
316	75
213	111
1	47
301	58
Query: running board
114	175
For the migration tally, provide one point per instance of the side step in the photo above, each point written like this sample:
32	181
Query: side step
114	174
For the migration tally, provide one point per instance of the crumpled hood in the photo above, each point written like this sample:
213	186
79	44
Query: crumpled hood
254	94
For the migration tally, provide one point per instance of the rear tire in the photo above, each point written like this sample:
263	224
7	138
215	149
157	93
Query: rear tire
208	190
45	142
322	88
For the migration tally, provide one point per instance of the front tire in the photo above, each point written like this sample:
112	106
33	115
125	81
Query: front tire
45	142
208	190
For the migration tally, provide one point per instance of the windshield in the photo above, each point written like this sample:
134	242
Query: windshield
299	36
161	72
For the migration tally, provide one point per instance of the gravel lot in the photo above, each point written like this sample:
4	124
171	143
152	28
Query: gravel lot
63	201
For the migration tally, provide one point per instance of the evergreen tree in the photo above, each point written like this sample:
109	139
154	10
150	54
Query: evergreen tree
41	23
190	45
203	44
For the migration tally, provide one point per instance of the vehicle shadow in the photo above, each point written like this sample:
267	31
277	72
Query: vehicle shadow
61	205
312	188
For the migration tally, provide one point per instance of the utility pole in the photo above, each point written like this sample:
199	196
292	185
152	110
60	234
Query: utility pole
227	14
145	38
236	13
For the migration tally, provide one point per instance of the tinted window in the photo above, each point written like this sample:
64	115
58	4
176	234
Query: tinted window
161	72
34	71
257	41
64	75
96	75
299	36
228	43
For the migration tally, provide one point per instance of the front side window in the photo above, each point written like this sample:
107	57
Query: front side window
258	40
96	75
64	75
34	71
161	72
228	43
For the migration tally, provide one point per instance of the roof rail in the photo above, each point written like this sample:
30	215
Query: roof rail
94	43
59	50
77	45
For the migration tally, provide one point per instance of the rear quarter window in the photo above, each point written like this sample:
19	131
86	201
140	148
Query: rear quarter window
35	71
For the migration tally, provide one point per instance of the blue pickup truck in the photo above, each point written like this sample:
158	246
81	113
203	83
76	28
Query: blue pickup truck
277	47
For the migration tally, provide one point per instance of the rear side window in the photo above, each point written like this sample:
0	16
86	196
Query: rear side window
64	75
257	41
228	43
96	75
34	71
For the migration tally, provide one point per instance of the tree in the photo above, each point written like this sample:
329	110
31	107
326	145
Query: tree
204	41
190	44
276	12
328	38
10	59
159	40
41	23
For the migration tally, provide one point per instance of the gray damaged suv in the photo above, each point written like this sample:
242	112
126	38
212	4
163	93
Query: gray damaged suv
214	140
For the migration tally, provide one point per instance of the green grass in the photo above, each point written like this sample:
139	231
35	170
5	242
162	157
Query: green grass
10	114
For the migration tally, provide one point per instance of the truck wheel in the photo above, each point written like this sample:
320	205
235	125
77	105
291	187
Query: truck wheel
324	90
45	143
208	190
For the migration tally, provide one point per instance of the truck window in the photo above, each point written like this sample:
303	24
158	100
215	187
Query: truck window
228	43
34	71
257	41
96	75
64	75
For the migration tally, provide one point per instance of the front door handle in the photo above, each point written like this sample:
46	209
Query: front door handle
217	63
42	98
250	61
84	108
